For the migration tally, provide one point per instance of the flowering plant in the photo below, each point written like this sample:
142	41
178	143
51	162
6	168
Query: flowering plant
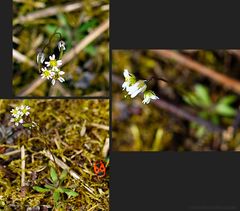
135	87
51	69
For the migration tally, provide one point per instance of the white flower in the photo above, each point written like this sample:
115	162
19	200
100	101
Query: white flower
61	45
47	73
129	79
18	114
138	87
53	62
149	95
25	110
57	76
40	57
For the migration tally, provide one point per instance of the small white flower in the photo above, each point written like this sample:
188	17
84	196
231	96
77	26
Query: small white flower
40	57
18	114
53	62
149	95
61	45
57	76
138	87
129	79
25	110
47	73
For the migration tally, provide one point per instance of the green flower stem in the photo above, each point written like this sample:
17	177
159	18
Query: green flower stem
61	54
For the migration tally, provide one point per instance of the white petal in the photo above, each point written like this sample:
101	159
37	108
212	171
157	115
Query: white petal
53	81
48	64
61	79
134	94
154	97
133	88
59	62
125	85
52	57
126	73
61	73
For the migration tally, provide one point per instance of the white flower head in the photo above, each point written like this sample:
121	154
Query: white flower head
40	57
46	73
130	79
53	62
149	95
61	45
18	114
58	75
139	87
25	110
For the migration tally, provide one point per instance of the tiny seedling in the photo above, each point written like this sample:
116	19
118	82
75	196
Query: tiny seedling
56	187
210	110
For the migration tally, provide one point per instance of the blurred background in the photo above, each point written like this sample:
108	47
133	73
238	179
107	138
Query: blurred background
83	26
198	109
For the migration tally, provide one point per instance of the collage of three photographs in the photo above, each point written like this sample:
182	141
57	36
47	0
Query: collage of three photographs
55	140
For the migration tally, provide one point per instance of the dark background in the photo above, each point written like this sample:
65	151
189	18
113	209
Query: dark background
6	49
169	181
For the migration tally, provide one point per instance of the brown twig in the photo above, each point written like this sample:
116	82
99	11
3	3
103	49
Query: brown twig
86	41
43	13
235	52
193	65
160	103
23	166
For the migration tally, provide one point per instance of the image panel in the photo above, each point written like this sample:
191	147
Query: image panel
176	100
54	154
61	48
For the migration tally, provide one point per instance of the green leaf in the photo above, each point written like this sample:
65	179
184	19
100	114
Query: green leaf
53	174
56	196
50	187
228	99
215	119
61	190
70	192
191	99
63	175
225	110
40	189
27	125
203	95
88	25
91	50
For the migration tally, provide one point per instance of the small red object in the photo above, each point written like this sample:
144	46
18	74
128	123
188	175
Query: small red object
99	169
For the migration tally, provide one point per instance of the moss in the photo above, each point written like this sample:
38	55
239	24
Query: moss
61	122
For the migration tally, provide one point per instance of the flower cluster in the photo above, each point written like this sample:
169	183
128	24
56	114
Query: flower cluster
134	87
19	113
51	70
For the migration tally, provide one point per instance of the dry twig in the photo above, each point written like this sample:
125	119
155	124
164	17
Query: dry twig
50	11
193	65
